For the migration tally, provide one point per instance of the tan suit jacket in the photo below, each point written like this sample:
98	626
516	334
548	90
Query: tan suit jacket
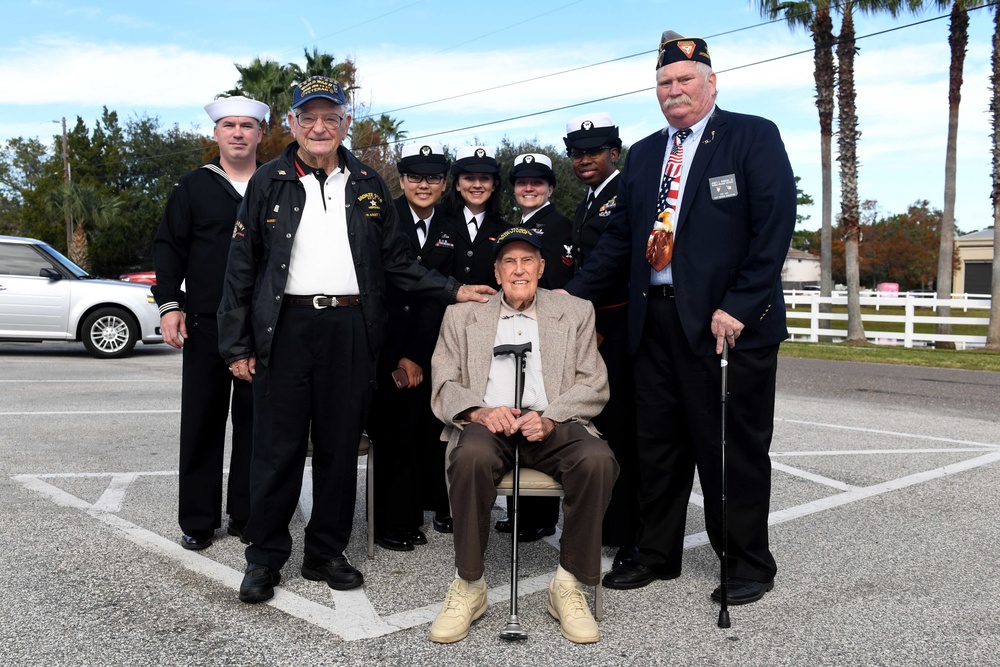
576	380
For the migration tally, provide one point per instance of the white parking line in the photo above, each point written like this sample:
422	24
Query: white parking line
898	434
111	499
351	615
812	477
92	412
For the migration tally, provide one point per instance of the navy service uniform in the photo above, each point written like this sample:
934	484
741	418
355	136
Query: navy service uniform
191	247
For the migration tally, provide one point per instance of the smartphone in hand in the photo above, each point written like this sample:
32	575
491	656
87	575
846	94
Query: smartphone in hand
399	377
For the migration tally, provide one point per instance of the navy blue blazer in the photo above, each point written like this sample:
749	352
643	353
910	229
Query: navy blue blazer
733	233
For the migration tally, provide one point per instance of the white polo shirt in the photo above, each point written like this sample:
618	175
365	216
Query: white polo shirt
321	260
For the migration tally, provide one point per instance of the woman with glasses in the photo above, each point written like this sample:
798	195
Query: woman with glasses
472	206
404	432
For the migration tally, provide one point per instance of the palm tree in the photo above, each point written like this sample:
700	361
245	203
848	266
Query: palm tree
847	143
268	82
993	333
815	15
958	41
85	204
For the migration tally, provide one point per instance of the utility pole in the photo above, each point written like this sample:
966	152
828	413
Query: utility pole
68	180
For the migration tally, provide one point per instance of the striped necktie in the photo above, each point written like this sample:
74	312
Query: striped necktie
660	245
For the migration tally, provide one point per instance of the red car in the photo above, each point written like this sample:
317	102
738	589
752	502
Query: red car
144	277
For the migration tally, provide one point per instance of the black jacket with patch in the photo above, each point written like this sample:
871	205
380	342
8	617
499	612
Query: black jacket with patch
262	246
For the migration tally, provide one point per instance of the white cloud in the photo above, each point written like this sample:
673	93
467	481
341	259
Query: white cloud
55	70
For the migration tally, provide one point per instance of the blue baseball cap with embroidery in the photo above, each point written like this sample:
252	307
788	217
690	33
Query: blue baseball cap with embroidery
516	234
318	88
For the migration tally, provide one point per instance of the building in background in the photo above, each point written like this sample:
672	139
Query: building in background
801	269
975	258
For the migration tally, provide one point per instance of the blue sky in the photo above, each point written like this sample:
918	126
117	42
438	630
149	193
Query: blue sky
64	58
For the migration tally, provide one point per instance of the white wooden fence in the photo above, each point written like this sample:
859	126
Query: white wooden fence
919	308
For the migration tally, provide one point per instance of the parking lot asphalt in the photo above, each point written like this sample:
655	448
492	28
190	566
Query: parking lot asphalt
884	526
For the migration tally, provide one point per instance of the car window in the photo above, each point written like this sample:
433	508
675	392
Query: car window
21	260
67	264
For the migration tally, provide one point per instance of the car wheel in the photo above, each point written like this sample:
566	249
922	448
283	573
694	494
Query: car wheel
109	333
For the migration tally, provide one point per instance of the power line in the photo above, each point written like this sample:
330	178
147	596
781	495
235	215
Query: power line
585	102
645	90
559	73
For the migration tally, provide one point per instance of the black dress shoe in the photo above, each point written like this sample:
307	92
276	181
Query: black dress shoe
196	541
393	539
415	536
443	523
524	534
625	554
236	527
258	583
631	574
534	534
337	572
743	591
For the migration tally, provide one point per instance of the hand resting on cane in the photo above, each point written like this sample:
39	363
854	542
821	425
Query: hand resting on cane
509	421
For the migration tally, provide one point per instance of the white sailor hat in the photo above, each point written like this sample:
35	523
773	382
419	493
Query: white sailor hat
236	106
422	158
476	160
592	130
533	165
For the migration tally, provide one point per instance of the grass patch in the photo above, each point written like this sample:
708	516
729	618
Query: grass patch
973	360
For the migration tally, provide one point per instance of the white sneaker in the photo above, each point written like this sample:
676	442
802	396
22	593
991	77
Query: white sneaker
463	604
568	605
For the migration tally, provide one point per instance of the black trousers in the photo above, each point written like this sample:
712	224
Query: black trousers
208	394
678	428
617	425
320	374
398	425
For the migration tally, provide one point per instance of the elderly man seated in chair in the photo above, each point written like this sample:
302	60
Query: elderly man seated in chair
565	386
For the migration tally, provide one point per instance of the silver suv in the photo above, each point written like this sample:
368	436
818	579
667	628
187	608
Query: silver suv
44	296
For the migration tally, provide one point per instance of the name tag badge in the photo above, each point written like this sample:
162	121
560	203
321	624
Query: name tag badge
723	187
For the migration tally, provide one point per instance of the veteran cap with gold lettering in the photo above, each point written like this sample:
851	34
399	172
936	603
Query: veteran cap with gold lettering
512	234
675	48
318	88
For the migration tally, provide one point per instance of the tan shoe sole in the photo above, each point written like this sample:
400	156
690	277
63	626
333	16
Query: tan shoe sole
590	639
451	639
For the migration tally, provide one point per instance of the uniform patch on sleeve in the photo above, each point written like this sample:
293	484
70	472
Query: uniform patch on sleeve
239	231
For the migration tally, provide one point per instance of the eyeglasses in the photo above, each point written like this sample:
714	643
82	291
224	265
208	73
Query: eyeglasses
307	120
432	179
577	155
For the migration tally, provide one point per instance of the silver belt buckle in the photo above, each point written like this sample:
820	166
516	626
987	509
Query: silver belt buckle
318	306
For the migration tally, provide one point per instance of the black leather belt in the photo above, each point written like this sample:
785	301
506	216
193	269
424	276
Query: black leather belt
322	301
662	290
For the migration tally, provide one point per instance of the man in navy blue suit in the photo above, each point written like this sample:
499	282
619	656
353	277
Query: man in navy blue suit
704	216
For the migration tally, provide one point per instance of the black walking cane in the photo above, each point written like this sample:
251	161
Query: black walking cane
513	629
724	586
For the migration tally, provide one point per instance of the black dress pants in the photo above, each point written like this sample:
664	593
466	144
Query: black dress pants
320	374
209	394
617	426
678	420
397	427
